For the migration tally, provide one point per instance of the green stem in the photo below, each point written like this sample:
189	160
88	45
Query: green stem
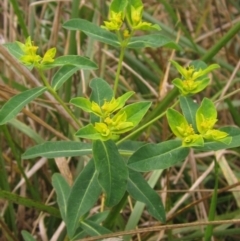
113	214
20	17
222	42
29	203
118	70
56	96
145	125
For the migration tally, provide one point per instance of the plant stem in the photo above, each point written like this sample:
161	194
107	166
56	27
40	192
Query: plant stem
56	96
113	214
27	202
118	70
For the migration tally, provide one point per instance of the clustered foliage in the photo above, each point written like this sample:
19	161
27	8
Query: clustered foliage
111	171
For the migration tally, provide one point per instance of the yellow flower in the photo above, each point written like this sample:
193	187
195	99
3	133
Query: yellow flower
115	21
96	108
102	129
49	56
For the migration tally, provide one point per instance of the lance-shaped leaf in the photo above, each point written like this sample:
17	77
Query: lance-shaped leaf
161	156
83	195
54	149
139	189
92	31
153	41
74	60
13	106
93	229
62	190
62	75
27	236
112	170
189	109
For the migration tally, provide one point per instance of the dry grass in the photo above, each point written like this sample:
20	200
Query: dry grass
185	189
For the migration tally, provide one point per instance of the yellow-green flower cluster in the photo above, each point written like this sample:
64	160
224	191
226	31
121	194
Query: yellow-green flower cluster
31	58
112	122
193	80
133	15
206	118
115	21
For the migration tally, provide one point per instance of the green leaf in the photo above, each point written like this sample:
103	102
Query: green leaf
89	132
83	195
62	75
112	170
93	229
127	148
153	41
123	98
135	3
140	190
135	111
96	218
82	103
54	149
176	121
161	156
189	109
233	132
101	91
13	106
92	31
27	130
14	49
118	6
74	60
62	190
27	236
206	116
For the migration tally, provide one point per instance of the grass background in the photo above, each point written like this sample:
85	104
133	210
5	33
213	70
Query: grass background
206	29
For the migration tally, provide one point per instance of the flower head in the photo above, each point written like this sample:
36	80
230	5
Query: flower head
193	80
115	21
31	58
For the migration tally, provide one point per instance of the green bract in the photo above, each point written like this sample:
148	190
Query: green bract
193	79
182	129
206	117
30	57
